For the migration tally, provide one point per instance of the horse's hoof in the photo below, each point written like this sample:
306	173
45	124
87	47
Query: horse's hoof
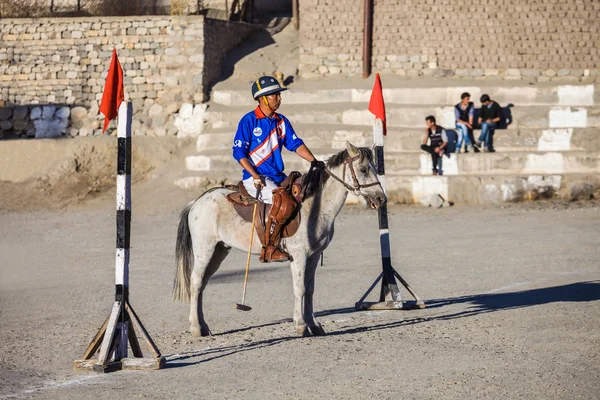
205	331
195	331
303	331
317	330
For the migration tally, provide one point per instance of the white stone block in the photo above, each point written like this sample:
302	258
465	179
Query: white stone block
356	138
199	110
357	117
63	113
36	112
425	166
222	97
186	110
189	127
448	119
542	182
549	163
361	96
450	164
491	193
576	95
425	187
563	117
48	112
197	163
513	191
155	110
48	128
555	140
78	113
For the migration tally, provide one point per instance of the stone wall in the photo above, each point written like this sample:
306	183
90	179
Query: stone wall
167	62
511	39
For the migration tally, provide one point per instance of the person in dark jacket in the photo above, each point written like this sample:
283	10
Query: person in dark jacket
463	113
436	135
489	117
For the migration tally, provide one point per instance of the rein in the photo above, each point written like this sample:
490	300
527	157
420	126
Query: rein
356	189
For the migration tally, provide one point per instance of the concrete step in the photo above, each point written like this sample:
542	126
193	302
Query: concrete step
485	189
410	139
473	189
397	163
408	116
308	93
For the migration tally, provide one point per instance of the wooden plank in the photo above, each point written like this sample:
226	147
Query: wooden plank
107	342
83	365
133	340
143	363
95	343
140	328
108	367
383	305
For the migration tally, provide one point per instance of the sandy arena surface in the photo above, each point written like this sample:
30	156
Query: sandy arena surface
513	297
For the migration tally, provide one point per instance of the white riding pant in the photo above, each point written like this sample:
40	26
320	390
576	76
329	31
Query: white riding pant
266	194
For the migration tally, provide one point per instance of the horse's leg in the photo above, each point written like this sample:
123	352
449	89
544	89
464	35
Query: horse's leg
309	278
298	267
205	265
303	275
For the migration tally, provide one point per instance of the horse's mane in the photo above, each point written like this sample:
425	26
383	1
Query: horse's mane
316	177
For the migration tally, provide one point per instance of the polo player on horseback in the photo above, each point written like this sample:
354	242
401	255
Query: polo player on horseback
257	145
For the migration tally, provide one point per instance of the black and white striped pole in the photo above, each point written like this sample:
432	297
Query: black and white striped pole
390	297
119	329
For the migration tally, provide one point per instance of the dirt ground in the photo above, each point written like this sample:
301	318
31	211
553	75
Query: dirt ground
512	293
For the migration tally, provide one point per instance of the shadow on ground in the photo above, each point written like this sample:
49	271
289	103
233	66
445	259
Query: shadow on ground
473	305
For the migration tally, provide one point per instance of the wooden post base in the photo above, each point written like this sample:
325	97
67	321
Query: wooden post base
111	341
146	364
389	305
390	296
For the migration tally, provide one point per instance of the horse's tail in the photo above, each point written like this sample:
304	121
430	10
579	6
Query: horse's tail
184	257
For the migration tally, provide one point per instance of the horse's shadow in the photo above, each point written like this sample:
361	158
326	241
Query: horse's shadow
473	305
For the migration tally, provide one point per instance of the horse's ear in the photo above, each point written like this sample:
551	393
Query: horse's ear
352	151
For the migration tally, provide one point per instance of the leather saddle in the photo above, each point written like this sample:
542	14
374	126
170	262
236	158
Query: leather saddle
243	203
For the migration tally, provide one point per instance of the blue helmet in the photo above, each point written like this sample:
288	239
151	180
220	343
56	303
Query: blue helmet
264	86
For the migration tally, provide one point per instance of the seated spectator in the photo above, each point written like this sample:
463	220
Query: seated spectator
463	112
437	142
488	119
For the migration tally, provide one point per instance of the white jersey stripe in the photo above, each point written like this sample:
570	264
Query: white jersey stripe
264	151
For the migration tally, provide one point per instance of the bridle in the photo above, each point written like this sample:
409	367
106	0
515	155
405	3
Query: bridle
356	189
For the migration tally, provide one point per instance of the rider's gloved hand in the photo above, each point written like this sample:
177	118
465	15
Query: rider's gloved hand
317	164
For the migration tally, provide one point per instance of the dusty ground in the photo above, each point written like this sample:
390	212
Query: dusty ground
513	300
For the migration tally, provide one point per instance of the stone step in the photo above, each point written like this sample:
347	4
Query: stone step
306	93
485	189
420	163
473	189
409	116
410	139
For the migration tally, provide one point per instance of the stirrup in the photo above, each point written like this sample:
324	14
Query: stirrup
273	254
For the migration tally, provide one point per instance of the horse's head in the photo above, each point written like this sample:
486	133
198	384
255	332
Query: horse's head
359	175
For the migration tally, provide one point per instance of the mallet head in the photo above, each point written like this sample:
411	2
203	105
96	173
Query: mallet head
242	307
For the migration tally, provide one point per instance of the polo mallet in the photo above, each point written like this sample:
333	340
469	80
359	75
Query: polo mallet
242	306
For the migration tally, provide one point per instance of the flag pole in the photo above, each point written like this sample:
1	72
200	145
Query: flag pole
390	297
119	328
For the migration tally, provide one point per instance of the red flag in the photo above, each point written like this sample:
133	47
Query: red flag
376	104
113	91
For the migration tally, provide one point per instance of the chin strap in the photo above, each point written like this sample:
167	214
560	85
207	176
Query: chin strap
267	103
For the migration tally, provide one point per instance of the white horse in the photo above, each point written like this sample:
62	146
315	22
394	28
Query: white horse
209	227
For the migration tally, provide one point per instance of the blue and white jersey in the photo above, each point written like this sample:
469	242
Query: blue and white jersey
259	139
